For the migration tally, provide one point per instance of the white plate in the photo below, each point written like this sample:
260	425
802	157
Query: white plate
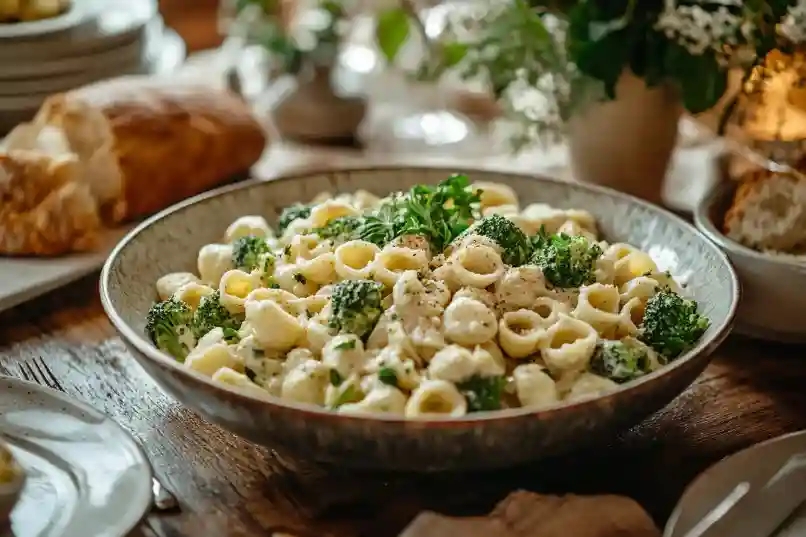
88	24
126	55
756	464
163	47
23	278
86	477
70	19
164	56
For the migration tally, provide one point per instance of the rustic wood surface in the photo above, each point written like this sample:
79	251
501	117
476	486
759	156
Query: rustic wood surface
229	488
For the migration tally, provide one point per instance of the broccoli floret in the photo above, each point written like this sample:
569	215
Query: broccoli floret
343	229
248	251
355	307
291	213
566	261
671	324
507	235
621	361
482	393
212	314
168	325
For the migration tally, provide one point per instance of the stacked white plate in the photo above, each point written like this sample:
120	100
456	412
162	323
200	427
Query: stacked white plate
94	40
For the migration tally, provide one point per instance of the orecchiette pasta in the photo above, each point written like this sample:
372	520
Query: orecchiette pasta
246	226
192	293
391	262
568	345
353	260
434	303
214	261
170	283
382	399
273	327
436	398
469	322
535	388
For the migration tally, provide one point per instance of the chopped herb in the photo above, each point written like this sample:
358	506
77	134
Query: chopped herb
231	335
335	378
387	375
251	375
300	278
349	395
482	393
345	345
258	353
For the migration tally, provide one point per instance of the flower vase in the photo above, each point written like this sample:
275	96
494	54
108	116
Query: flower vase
627	143
315	113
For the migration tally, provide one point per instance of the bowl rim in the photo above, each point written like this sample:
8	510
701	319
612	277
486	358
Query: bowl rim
705	224
313	412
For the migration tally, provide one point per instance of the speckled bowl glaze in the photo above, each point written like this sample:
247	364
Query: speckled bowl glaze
773	286
170	241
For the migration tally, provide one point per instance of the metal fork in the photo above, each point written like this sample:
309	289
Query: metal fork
37	371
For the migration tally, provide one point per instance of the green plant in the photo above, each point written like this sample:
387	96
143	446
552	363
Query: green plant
573	53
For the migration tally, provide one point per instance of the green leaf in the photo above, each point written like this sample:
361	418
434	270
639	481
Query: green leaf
392	32
388	376
453	54
335	378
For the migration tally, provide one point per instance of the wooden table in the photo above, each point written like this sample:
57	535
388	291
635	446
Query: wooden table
227	487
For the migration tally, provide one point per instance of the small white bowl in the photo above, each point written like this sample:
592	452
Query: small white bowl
773	286
10	491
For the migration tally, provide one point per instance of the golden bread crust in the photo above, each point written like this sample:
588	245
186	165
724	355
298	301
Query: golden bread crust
171	141
44	210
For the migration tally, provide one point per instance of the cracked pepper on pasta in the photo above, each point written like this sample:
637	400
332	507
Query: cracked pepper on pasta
439	301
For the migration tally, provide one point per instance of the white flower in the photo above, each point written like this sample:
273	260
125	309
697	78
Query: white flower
704	27
794	26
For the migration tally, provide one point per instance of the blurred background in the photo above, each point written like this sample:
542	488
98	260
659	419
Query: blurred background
194	20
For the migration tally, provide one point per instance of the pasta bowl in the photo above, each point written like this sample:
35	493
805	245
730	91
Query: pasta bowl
169	242
773	285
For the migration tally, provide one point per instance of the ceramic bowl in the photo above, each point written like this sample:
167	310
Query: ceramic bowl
10	491
169	242
773	286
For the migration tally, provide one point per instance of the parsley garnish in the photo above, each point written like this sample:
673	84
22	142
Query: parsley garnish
387	375
345	345
335	378
231	335
300	278
349	395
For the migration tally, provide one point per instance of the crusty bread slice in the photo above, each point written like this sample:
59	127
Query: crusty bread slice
45	209
769	213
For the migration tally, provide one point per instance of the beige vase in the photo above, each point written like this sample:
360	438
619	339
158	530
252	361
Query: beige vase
627	143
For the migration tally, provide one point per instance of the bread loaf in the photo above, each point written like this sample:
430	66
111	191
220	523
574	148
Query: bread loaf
117	151
169	141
